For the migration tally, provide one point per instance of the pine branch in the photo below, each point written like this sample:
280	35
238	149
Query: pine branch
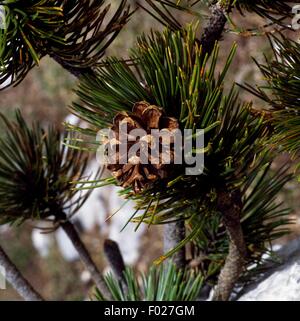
71	232
74	33
277	11
174	233
174	74
17	280
39	170
281	92
230	205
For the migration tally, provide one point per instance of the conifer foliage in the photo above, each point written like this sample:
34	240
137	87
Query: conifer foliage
281	92
221	220
73	33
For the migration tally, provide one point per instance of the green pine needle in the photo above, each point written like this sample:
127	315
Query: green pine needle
75	33
35	173
282	92
164	283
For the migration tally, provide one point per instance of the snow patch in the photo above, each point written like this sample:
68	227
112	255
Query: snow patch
283	285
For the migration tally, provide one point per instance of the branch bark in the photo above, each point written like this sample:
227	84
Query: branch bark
17	280
85	257
174	233
230	205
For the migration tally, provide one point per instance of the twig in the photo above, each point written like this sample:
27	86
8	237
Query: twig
174	233
215	26
75	71
115	259
17	280
230	205
85	257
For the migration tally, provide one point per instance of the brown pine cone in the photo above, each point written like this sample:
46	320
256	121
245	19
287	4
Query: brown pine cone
141	168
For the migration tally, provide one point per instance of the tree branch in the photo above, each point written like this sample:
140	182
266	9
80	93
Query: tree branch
230	205
17	280
174	233
85	257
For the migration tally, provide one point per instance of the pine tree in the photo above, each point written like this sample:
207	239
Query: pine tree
228	214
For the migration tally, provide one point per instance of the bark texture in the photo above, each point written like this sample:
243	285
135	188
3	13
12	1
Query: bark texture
16	279
230	205
215	27
174	233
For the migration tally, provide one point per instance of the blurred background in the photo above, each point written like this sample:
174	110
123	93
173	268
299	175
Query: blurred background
49	261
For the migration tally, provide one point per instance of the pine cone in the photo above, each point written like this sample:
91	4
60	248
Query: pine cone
131	170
